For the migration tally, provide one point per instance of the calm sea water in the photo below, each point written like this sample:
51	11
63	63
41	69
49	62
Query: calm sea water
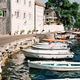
16	68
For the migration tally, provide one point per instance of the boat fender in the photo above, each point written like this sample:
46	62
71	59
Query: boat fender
49	43
40	56
54	57
28	60
68	56
59	52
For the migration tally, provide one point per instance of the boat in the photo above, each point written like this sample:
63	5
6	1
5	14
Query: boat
63	38
50	47
55	65
52	40
50	43
65	79
47	54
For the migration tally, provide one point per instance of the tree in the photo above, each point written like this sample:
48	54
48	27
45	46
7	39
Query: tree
77	23
66	11
75	8
0	12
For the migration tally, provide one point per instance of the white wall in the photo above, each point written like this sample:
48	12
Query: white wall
53	28
39	14
22	23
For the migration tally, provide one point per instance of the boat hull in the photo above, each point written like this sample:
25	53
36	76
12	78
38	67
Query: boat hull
51	67
55	68
51	40
49	47
46	55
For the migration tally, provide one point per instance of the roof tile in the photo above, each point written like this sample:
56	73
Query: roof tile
39	4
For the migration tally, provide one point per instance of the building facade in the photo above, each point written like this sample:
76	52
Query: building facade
5	19
38	15
18	16
50	15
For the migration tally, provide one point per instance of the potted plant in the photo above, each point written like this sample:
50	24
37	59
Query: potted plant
29	31
16	32
22	31
0	13
43	30
49	30
36	30
33	31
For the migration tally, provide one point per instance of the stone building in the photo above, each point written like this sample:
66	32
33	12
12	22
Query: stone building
50	15
18	16
5	19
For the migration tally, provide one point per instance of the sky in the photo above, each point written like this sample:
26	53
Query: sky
44	1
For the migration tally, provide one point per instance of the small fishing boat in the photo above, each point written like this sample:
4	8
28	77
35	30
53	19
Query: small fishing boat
50	47
47	54
65	79
63	38
55	65
50	43
0	69
52	40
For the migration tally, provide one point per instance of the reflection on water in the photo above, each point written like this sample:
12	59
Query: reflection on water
17	69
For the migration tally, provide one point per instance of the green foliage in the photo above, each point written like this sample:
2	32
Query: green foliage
77	23
29	31
43	30
58	23
65	10
48	4
47	23
75	6
16	32
22	31
0	12
49	30
34	30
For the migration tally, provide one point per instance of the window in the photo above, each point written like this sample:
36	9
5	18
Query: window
46	19
24	2
15	12
62	64
17	1
75	64
47	13
18	14
29	3
29	16
4	13
24	15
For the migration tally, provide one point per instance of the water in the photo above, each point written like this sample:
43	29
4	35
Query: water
16	68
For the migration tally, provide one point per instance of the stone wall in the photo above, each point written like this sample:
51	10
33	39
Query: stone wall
45	36
3	26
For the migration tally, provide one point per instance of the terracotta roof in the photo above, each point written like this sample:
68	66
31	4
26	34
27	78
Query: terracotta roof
39	4
48	10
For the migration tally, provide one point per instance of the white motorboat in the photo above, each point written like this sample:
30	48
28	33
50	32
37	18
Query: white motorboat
65	79
50	47
55	65
47	54
53	44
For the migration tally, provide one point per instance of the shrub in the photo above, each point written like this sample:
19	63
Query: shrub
22	31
